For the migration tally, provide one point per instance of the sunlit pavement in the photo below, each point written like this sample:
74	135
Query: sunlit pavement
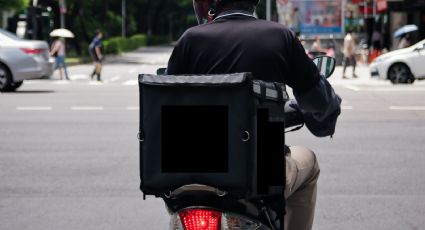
69	153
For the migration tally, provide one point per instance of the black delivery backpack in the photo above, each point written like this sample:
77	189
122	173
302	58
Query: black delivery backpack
215	130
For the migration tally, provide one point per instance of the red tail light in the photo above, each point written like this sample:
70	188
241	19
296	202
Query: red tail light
200	219
32	51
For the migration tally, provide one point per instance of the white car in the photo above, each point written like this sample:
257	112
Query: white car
401	66
21	60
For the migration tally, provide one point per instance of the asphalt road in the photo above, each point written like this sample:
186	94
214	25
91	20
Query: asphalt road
69	153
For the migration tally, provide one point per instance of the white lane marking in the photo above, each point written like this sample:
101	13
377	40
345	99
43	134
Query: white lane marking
131	82
34	108
409	108
132	70
354	88
132	107
399	89
87	108
79	77
346	107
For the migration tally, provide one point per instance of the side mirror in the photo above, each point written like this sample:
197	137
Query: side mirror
161	71
325	65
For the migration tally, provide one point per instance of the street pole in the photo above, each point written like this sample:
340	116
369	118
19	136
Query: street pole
62	9
269	10
123	32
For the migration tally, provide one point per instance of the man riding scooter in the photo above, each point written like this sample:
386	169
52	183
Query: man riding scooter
230	39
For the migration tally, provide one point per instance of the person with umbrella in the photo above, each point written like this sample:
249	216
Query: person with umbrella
404	41
403	33
58	50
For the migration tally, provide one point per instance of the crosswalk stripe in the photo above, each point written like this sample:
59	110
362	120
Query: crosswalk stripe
131	82
354	88
79	77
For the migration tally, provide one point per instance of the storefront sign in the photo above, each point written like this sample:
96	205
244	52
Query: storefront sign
381	5
315	16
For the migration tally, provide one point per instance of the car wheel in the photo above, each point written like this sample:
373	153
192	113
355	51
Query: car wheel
5	79
16	85
400	73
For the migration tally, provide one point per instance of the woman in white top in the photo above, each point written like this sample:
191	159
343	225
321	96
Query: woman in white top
58	51
349	52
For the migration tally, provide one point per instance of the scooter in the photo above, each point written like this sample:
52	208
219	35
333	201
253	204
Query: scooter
203	207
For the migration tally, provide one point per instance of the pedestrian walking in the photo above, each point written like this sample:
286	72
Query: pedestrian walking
377	39
96	54
404	42
349	54
58	51
376	45
316	48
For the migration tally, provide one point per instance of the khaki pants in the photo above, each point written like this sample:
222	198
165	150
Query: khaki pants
302	172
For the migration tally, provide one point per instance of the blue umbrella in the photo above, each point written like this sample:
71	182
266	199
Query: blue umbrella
405	29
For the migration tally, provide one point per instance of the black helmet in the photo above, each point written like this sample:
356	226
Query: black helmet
204	9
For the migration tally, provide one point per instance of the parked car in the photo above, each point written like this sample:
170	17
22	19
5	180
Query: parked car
21	60
401	66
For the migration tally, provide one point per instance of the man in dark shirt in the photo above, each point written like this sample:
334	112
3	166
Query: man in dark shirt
96	54
242	43
235	41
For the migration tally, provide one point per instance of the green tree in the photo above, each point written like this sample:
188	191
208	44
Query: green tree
164	18
13	4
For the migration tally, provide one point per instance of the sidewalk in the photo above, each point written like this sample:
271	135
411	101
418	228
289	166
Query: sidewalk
153	55
363	77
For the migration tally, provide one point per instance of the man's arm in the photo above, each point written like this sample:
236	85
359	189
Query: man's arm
316	98
321	107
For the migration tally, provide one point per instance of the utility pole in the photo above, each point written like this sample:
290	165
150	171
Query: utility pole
62	11
269	10
123	32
